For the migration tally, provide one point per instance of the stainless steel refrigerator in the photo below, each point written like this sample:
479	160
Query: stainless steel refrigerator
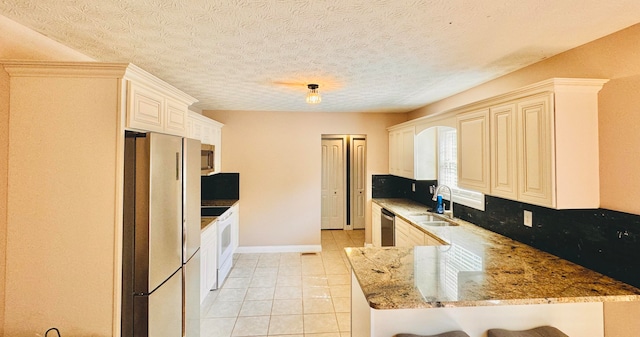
161	236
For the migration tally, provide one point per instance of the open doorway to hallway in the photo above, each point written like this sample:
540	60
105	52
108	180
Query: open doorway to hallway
343	181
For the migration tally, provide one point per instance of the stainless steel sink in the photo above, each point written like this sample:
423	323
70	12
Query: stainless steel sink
430	220
435	223
417	214
424	217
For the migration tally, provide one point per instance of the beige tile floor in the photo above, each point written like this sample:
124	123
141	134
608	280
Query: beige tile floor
285	294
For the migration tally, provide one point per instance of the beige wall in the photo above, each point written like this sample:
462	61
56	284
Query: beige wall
4	160
615	57
19	42
621	319
278	157
61	206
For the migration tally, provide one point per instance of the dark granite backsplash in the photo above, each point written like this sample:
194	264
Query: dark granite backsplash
220	186
602	240
599	239
389	186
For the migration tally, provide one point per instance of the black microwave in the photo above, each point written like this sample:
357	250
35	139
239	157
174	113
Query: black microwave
207	159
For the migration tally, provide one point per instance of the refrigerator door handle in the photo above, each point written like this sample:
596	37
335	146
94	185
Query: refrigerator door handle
177	165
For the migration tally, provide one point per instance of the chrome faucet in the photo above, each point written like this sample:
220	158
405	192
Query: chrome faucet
435	197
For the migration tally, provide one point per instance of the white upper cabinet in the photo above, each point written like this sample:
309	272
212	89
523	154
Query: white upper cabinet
504	169
208	131
537	144
407	160
543	146
145	110
154	105
413	156
473	150
426	154
401	152
176	117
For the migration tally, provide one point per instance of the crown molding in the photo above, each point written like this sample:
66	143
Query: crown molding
556	85
126	71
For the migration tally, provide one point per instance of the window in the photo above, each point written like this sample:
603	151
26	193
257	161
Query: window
448	170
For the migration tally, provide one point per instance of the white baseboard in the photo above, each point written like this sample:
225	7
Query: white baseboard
280	249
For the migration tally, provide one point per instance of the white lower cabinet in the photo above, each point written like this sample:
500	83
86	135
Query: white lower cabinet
431	241
235	226
376	234
208	260
407	235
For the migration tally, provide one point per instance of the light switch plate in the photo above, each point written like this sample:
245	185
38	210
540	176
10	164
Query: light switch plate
528	218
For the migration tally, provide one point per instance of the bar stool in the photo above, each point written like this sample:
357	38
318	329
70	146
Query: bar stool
444	334
541	331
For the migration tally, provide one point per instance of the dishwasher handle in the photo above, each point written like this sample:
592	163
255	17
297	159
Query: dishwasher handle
388	215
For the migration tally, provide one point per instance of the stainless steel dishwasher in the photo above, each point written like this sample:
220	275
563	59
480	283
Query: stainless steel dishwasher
388	228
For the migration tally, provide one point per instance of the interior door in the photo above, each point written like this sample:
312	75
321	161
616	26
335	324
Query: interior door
333	183
358	182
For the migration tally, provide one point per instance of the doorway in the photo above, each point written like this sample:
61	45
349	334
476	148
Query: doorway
343	181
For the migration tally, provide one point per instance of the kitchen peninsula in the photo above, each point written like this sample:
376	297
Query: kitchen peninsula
480	280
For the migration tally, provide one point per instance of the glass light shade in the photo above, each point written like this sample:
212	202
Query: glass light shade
313	97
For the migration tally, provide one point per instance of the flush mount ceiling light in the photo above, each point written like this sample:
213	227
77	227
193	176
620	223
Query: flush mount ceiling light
313	96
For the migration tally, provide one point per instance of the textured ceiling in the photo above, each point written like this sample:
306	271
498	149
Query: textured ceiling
367	55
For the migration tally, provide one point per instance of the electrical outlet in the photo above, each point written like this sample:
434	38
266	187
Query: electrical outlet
528	218
413	187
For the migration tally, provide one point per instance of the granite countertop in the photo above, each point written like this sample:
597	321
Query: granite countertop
206	221
219	202
477	268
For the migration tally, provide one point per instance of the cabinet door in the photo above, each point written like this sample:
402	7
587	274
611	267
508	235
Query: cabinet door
216	135
376	239
176	119
401	162
402	233
430	241
426	154
473	151
393	153
535	151
196	129
235	226
203	271
504	162
406	155
145	108
416	236
209	259
207	133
